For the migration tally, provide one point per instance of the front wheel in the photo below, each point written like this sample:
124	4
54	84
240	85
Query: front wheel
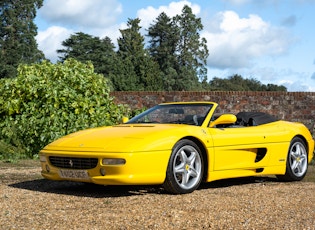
185	168
297	161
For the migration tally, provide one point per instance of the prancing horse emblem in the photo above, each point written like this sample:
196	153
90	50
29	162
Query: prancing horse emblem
71	163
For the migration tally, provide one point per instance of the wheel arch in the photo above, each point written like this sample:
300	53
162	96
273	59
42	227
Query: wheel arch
296	167
304	140
204	152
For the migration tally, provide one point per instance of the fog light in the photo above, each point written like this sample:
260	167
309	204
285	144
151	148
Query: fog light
113	161
102	171
47	168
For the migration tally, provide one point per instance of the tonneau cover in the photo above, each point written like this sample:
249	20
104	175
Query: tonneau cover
254	118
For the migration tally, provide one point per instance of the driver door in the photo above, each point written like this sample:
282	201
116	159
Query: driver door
239	148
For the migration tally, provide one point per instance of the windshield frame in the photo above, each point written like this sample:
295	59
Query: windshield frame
175	113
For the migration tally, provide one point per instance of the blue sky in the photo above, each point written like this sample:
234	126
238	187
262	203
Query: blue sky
272	41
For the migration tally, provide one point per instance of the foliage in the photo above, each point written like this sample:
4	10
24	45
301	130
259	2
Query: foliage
192	49
177	47
46	101
17	33
163	35
84	47
140	72
136	112
174	60
12	150
238	83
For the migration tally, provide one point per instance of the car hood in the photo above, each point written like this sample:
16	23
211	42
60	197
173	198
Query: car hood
122	138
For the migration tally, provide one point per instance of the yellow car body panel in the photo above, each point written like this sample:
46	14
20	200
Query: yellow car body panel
140	168
235	149
146	150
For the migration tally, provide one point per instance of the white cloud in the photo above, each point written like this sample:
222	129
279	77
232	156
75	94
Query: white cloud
113	32
149	14
66	17
97	18
50	40
297	86
83	13
235	42
293	80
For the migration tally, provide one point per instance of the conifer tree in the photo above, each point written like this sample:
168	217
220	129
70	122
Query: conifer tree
192	50
175	43
139	72
84	47
17	35
162	47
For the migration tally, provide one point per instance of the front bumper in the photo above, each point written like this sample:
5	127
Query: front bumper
139	168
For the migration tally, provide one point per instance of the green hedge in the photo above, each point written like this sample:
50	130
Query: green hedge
46	101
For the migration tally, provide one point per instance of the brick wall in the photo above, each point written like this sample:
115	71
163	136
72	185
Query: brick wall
292	106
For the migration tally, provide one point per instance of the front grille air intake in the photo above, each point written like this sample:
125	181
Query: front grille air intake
73	162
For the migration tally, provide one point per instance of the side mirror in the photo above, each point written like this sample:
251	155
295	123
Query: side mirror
224	119
124	119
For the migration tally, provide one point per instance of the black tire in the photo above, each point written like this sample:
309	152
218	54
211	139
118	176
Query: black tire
185	168
297	161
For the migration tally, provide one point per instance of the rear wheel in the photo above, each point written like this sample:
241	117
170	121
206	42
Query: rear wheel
297	161
185	168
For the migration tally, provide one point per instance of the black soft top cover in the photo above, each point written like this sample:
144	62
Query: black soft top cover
254	118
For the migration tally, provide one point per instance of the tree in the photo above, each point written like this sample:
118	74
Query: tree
192	49
176	45
238	83
164	37
46	101
272	87
139	71
85	47
17	35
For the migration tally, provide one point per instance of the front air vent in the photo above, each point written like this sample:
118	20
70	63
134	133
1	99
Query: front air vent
73	162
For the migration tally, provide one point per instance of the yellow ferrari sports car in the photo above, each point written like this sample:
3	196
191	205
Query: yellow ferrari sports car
180	145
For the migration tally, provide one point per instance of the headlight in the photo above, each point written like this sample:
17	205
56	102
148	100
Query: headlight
42	158
113	161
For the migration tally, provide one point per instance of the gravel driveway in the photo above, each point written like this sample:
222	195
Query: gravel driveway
29	202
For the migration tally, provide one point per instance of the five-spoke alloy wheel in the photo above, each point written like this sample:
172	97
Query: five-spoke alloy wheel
185	168
297	161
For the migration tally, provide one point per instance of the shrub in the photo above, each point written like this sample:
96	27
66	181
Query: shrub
46	101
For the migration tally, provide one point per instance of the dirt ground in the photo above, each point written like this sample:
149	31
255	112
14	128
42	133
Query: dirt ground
27	201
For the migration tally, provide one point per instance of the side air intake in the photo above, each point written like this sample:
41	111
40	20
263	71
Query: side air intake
261	153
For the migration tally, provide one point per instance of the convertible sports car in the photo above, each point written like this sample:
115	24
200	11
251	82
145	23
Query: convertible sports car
179	145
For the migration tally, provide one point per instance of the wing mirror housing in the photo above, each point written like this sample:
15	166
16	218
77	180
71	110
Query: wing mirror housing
124	119
224	119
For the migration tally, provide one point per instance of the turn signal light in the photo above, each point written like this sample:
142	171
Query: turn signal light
113	161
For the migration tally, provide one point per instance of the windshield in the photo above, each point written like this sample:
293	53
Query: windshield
191	114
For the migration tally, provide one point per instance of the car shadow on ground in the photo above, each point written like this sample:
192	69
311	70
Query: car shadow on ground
237	182
100	191
84	189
